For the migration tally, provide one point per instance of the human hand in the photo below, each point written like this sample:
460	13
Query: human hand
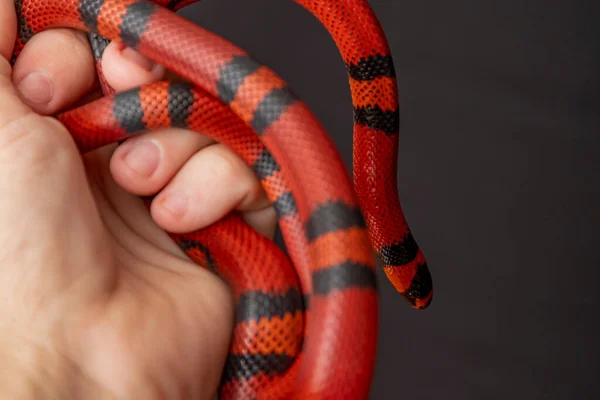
97	301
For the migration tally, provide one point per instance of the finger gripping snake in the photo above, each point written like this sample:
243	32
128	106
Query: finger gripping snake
307	321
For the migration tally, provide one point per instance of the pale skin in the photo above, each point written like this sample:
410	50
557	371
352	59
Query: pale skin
96	301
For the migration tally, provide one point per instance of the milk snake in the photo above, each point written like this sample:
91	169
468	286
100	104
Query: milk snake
306	322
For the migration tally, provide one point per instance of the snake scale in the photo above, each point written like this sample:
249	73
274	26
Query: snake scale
306	321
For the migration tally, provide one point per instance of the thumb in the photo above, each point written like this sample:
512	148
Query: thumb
39	159
33	148
50	224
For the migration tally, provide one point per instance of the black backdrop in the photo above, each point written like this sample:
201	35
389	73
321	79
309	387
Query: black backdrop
498	177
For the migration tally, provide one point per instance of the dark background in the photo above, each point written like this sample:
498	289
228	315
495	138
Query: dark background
499	179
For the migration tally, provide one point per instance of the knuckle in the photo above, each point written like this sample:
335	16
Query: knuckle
255	196
78	36
46	45
74	43
221	297
39	142
227	166
223	164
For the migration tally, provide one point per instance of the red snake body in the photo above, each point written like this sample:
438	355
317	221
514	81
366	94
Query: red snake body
306	326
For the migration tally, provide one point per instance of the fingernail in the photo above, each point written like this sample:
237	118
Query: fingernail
136	58
175	203
143	158
36	88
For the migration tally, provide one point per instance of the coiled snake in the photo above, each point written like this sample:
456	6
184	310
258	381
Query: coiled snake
306	323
